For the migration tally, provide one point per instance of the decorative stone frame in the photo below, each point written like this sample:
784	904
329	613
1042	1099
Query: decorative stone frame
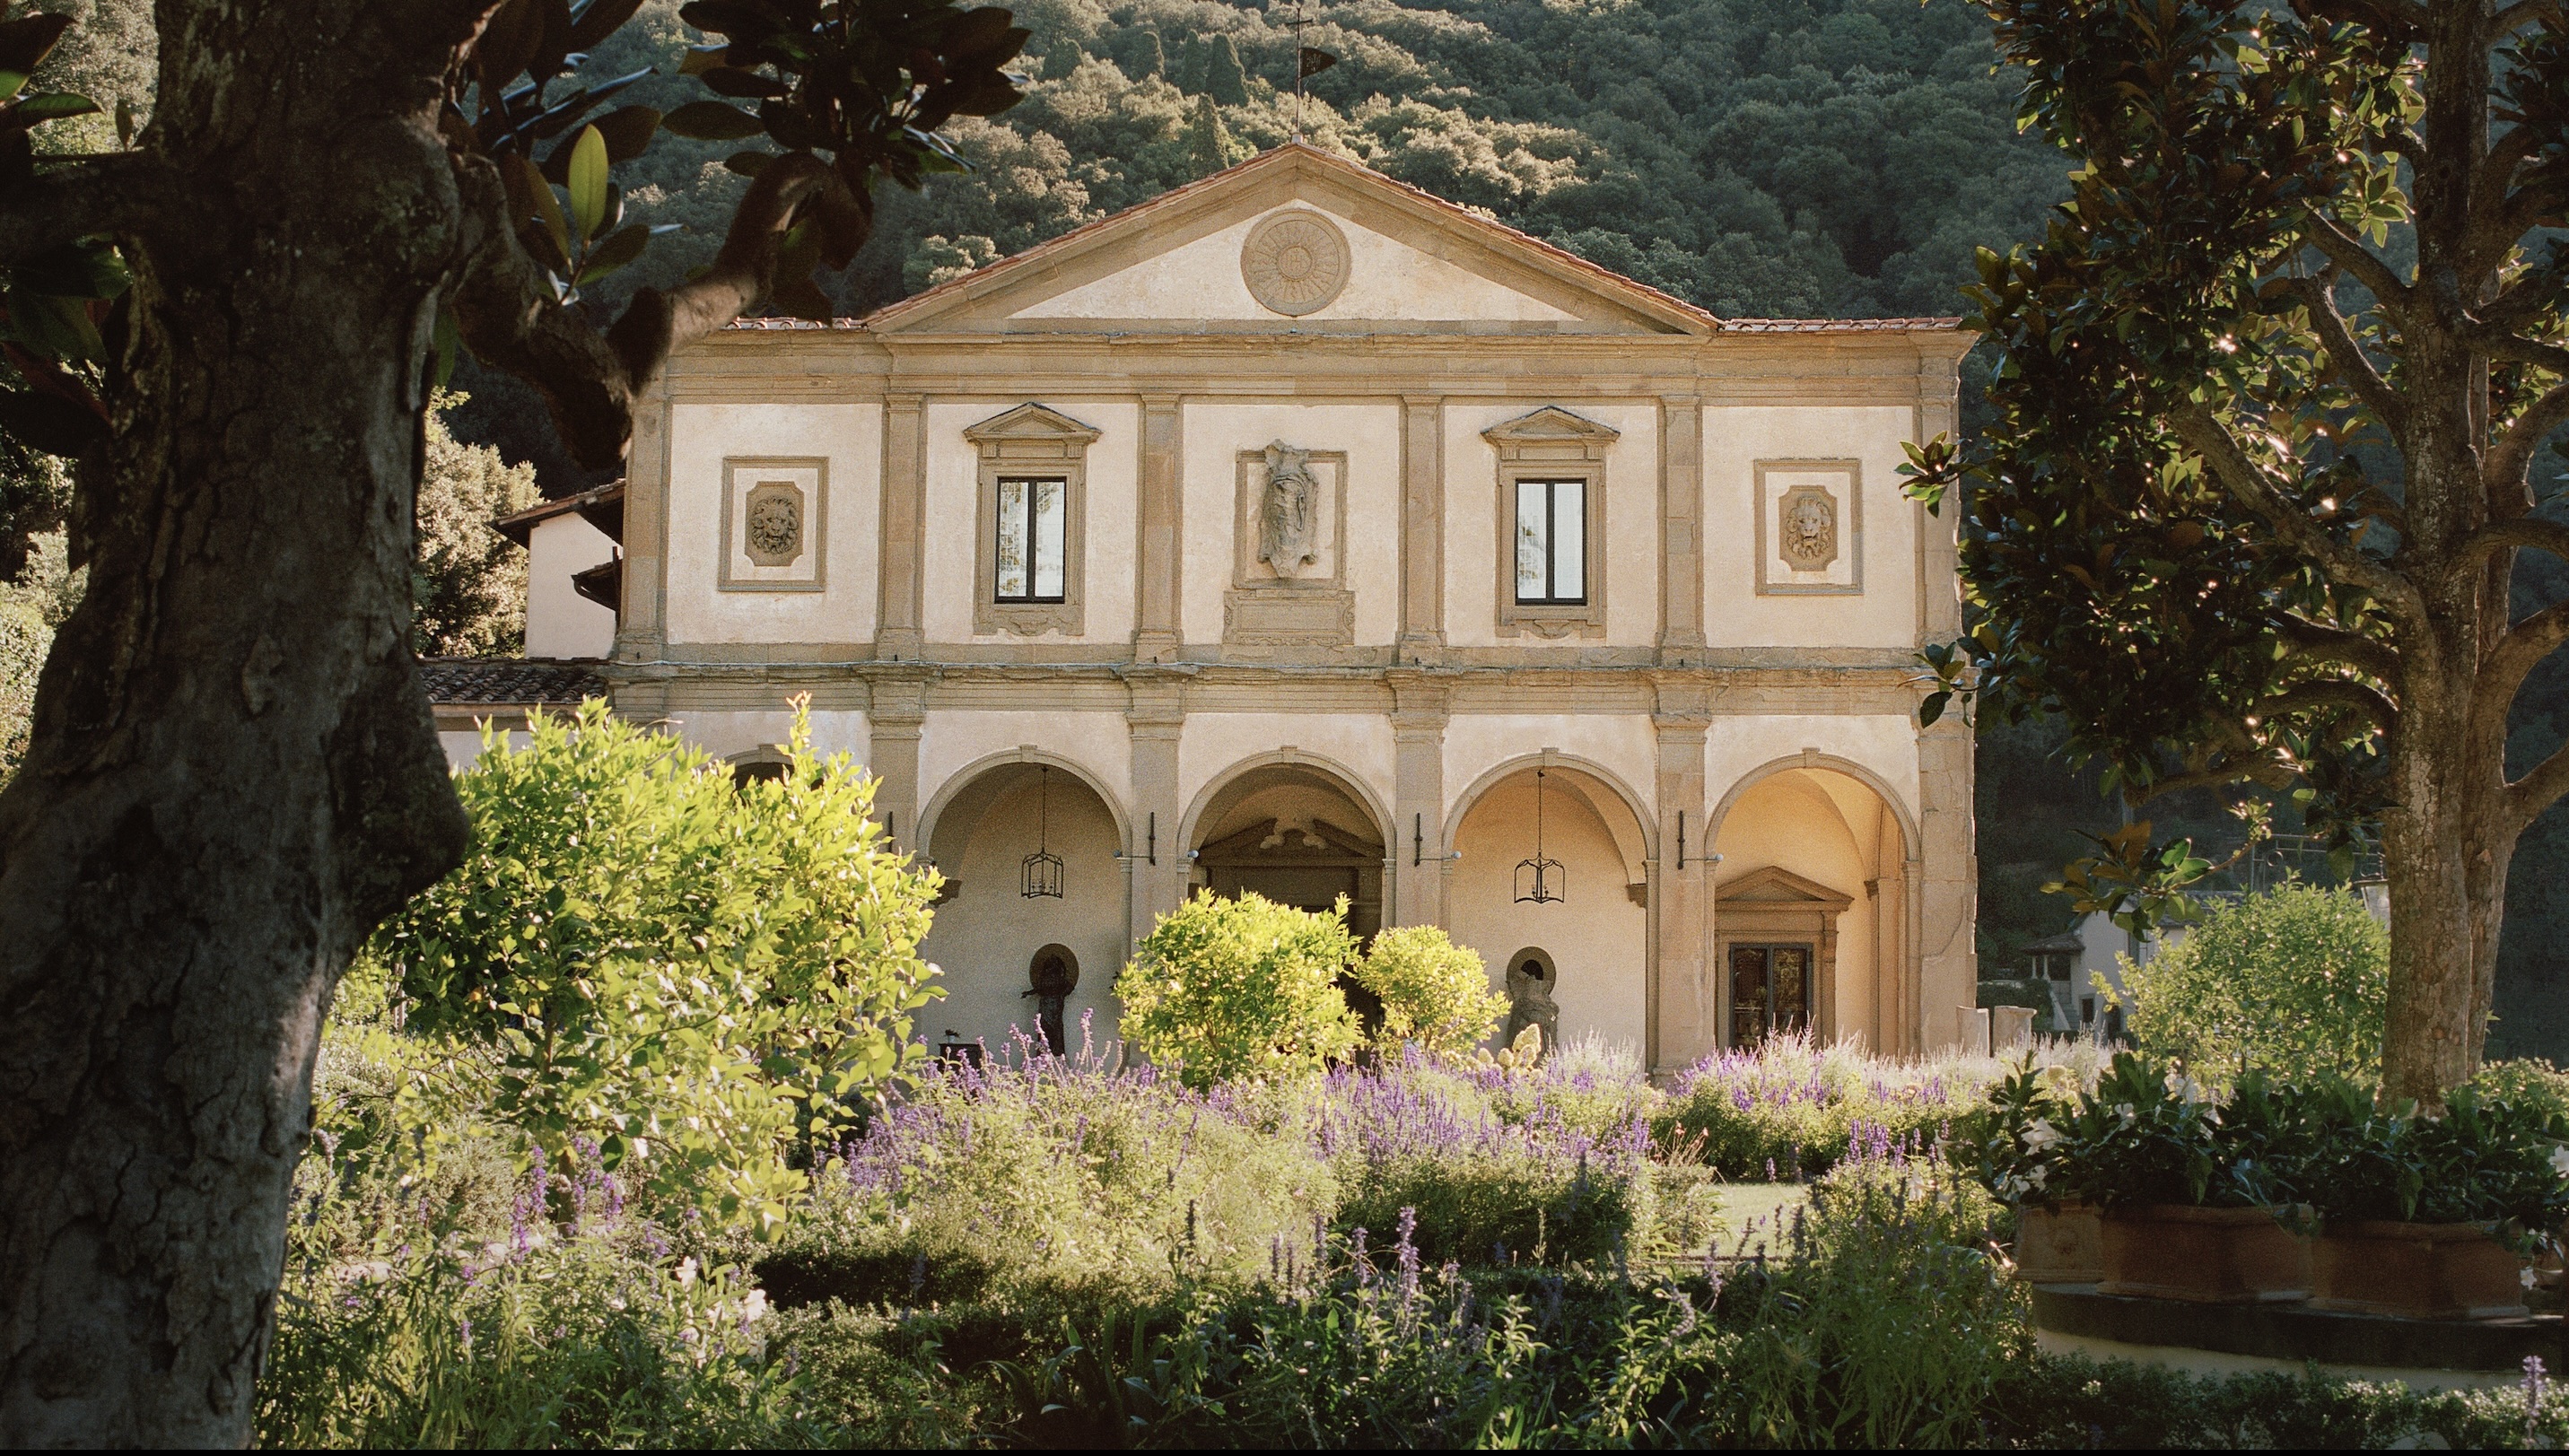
1552	444
1775	906
730	574
1031	441
1263	610
1769	515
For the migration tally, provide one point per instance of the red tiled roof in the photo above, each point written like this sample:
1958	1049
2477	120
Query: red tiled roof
604	506
1839	326
512	681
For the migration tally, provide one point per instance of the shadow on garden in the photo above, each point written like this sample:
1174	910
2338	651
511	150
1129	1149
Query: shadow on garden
625	1136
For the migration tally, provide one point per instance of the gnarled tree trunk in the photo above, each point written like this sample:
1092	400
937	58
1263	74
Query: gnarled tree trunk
234	774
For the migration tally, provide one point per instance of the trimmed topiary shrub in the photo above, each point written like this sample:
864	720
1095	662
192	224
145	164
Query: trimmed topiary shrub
1227	990
1435	992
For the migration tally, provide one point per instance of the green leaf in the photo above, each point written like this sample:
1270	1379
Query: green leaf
57	328
443	345
52	106
619	249
1933	708
587	177
711	121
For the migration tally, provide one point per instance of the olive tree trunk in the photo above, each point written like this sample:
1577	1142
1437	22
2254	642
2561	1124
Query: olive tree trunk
233	773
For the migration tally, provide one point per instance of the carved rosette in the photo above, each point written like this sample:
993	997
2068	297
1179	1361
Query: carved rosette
774	524
1295	262
1806	528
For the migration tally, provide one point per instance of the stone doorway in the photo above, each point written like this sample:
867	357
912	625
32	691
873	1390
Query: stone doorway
1770	992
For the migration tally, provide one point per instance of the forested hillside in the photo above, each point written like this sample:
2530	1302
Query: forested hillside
1755	156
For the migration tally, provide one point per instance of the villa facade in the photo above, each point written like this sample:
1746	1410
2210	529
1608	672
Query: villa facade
1300	533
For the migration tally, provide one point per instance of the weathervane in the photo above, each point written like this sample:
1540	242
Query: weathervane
1309	61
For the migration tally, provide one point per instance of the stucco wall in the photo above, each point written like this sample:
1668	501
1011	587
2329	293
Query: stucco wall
1735	438
1622	744
1598	937
1386	279
559	621
950	575
1217	432
985	939
1473	544
1798	821
849	438
730	733
951	742
1212	745
1884	743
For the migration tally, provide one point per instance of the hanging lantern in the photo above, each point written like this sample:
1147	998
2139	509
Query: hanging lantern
1041	877
1540	880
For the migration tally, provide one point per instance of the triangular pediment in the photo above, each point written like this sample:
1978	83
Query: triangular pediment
1293	240
1551	422
1030	422
1775	885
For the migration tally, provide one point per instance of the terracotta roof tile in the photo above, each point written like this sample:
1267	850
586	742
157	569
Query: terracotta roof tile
1839	326
512	681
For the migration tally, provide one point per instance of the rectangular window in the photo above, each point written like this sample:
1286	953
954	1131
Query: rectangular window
1552	543
1030	545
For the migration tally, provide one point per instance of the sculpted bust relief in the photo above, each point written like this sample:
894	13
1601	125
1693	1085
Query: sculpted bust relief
1810	528
775	524
1288	517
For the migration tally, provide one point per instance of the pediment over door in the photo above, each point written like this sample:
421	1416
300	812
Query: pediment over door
1781	889
1298	240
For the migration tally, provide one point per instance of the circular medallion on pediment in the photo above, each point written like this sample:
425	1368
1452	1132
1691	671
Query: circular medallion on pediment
1295	262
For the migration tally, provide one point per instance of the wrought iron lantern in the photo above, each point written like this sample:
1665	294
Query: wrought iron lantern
1540	880
1040	879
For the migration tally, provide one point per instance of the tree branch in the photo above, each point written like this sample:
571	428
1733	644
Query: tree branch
2209	438
2510	18
2516	654
2333	692
2486	241
98	194
505	308
2349	252
2507	461
2319	296
2320	642
2538	789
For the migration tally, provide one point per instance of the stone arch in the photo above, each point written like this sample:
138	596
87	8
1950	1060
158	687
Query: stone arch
1595	947
1826	872
1636	830
988	937
1880	786
767	761
974	780
1303	860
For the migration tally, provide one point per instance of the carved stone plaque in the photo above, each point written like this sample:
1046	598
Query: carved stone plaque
1295	262
1808	528
775	524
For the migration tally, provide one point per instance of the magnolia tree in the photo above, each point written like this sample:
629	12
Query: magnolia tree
2269	408
234	323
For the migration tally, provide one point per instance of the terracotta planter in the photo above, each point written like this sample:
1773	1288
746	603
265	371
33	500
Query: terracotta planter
2419	1270
2203	1255
2060	1244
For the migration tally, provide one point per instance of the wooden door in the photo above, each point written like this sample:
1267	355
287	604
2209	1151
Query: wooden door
1747	996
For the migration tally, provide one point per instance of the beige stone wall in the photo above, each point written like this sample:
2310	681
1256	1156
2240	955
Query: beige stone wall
1735	439
1475	548
732	733
1217	431
559	621
1385	279
952	742
953	478
985	939
1825	827
1357	749
848	436
1598	937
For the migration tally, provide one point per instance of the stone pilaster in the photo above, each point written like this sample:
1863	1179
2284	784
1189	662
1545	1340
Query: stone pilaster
642	625
1683	1022
1939	582
1422	529
1949	883
1156	714
905	512
1417	850
1681	528
1159	622
895	714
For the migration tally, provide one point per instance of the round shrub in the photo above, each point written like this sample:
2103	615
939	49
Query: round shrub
2296	982
1435	992
1225	990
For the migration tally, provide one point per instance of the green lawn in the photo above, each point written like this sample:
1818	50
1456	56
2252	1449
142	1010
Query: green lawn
1769	1204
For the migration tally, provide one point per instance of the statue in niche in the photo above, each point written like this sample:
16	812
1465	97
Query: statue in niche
1288	517
1053	979
1530	1004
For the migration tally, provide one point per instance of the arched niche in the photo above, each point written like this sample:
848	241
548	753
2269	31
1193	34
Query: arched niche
1596	942
1295	828
1818	860
987	935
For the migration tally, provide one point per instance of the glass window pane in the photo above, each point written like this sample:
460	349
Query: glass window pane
1569	540
1009	581
1048	540
1534	540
